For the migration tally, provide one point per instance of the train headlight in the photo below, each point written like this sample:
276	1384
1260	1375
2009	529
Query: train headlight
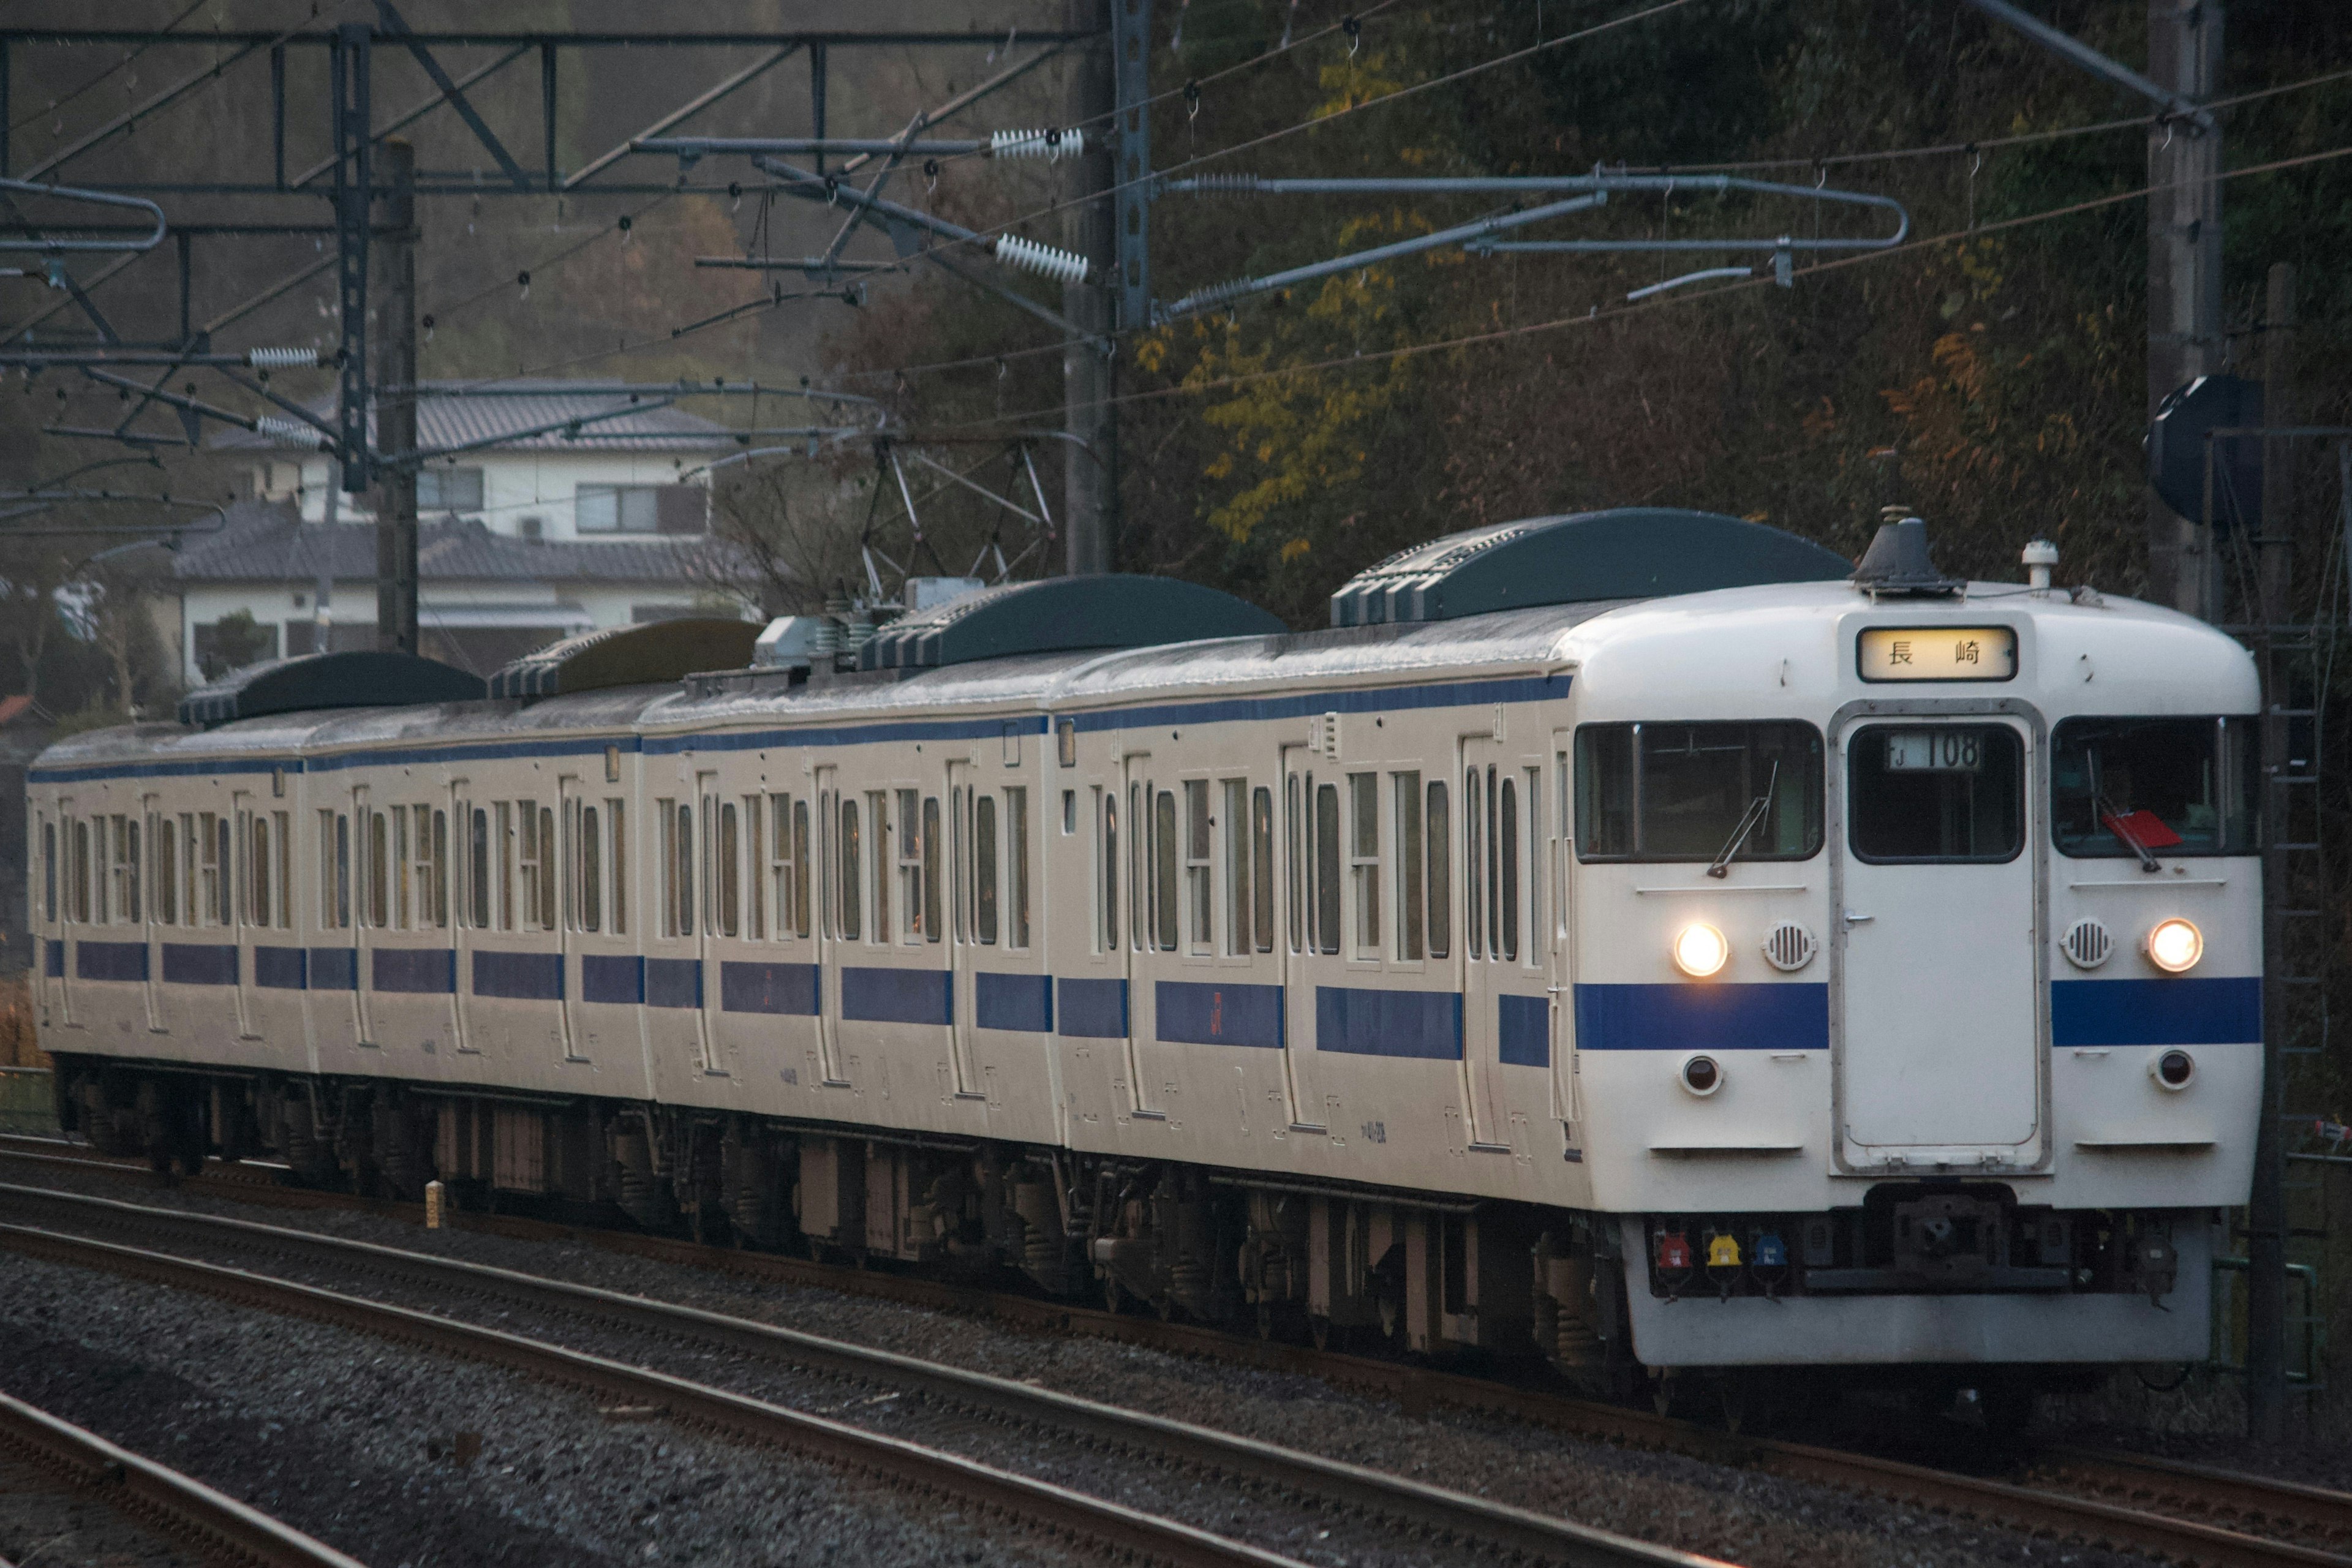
2175	945
1700	950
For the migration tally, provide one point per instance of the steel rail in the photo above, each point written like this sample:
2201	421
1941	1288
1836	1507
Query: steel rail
184	1507
1435	1510
2208	1490
1415	1388
895	1460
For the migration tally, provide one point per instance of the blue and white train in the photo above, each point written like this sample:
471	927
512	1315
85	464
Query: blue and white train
1639	937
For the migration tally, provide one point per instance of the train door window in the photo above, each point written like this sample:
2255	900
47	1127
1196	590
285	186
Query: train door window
49	872
934	904
729	869
1017	862
1163	871
878	813
755	856
617	825
911	852
850	923
1328	838
1293	859
827	823
1364	860
1069	814
1950	793
127	901
1138	893
80	871
1410	942
167	869
502	871
591	872
1197	890
802	865
1474	863
477	867
403	867
1506	845
102	879
1238	906
379	870
535	861
259	900
432	867
985	913
1107	802
1262	867
205	883
783	871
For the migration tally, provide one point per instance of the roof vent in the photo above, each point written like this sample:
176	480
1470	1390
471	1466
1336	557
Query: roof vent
1627	552
362	678
1897	564
628	656
1061	614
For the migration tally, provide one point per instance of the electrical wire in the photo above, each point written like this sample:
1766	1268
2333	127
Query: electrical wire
124	63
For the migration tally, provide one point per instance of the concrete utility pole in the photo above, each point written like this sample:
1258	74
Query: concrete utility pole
2184	267
395	378
1090	378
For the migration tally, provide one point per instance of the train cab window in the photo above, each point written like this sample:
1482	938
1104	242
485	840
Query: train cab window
1107	802
49	872
1940	793
1202	912
849	912
1016	864
2136	788
1702	792
985	911
1262	867
1364	860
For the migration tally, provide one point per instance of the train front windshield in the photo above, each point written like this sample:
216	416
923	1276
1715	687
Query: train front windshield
2138	787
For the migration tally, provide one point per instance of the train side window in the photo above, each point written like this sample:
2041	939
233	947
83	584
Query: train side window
781	868
730	869
1293	860
260	900
205	846
984	911
102	875
80	871
1016	861
1474	867
934	913
1108	801
1197	890
49	872
1439	835
433	889
127	860
1364	860
1262	867
477	867
407	878
682	874
878	812
801	865
912	852
1533	866
618	828
1139	862
850	923
755	856
591	873
1507	857
166	836
374	874
1410	907
1326	913
1238	905
1163	871
502	872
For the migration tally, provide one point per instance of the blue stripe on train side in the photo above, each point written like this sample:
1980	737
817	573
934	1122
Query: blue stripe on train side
1092	1009
334	969
673	983
1693	1015
787	988
1217	1013
898	995
1359	1022
1013	1001
111	960
423	970
612	978
1523	1031
281	968
200	962
53	958
2170	1012
521	976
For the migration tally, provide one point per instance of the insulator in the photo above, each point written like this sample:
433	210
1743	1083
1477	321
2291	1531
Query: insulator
1048	144
280	359
1062	266
1222	185
288	432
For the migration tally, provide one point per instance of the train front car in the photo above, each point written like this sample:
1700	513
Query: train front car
1917	972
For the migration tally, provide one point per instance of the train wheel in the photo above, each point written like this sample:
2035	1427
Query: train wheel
1114	1298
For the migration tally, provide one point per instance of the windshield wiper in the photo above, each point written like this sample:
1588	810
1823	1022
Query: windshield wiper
2148	861
1749	822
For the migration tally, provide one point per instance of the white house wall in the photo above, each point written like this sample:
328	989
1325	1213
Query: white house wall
515	485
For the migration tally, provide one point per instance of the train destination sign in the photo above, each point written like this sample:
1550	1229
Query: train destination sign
1937	653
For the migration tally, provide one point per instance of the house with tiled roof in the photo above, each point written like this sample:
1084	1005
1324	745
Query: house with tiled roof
551	515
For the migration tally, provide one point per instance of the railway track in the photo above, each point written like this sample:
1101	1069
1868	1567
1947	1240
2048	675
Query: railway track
1324	1485
215	1528
2136	1503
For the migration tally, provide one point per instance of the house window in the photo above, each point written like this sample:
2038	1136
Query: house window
642	508
449	489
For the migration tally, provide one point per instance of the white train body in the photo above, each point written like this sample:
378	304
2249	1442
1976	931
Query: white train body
1331	972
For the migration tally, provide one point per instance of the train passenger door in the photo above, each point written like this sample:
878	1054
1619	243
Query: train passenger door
829	953
1310	939
1494	900
1937	953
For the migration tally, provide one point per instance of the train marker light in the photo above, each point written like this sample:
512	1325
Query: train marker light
1771	1251
1673	1251
2173	1070
1722	1251
1700	950
2175	945
1701	1075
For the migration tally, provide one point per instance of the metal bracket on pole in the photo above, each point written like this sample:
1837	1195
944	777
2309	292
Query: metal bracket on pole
348	71
1130	31
396	27
33	241
2081	53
